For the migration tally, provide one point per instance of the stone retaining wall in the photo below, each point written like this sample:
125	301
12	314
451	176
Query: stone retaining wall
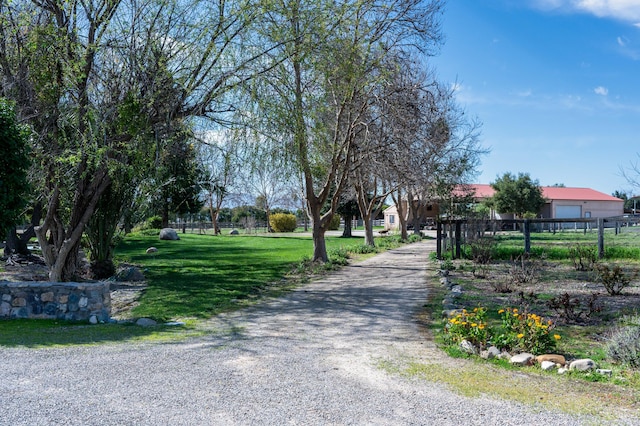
67	301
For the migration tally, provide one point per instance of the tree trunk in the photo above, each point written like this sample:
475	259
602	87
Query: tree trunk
346	232
18	244
368	228
60	245
402	220
165	214
213	212
319	243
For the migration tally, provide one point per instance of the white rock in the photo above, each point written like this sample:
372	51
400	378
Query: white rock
93	319
468	347
152	250
522	359
562	370
604	372
490	353
493	351
582	364
547	365
456	290
169	234
146	322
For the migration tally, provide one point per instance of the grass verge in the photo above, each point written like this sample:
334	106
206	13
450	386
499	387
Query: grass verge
193	279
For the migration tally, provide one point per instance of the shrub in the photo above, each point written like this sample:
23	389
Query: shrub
624	343
392	241
283	222
414	238
470	326
334	225
482	250
363	249
613	278
339	256
447	265
154	222
523	270
525	331
583	257
572	309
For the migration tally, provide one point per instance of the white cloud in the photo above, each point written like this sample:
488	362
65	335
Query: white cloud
622	41
600	90
624	10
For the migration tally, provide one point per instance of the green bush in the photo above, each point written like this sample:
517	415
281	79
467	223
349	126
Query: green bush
525	331
283	222
414	238
363	249
624	344
390	242
334	225
150	224
339	256
154	222
519	331
470	326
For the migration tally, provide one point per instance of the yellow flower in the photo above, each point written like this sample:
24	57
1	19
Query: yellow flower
515	310
473	324
475	309
481	327
520	336
557	336
501	311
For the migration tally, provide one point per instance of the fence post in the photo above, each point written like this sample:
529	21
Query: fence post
458	238
600	237
527	236
439	240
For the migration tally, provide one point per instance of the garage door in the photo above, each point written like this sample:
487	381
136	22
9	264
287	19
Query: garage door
568	212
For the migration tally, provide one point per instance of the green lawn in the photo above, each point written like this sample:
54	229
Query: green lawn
202	275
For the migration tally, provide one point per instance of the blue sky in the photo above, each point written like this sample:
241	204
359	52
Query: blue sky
556	84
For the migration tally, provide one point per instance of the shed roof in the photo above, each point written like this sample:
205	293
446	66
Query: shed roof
553	193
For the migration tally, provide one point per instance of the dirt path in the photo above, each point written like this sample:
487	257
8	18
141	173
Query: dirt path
311	357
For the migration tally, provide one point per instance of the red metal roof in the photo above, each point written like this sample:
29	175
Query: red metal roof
552	193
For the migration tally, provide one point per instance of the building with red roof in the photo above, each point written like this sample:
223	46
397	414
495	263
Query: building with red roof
562	203
567	203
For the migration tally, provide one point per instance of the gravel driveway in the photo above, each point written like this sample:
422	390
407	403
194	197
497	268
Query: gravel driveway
310	358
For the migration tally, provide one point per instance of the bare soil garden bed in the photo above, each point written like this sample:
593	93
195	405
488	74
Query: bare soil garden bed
583	295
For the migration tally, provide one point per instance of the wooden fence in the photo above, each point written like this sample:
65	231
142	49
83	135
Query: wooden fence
452	230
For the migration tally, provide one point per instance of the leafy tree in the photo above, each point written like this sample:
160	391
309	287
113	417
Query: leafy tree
178	179
69	64
14	164
348	209
628	202
316	98
518	195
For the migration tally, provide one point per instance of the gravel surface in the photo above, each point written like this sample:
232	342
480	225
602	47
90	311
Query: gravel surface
310	358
